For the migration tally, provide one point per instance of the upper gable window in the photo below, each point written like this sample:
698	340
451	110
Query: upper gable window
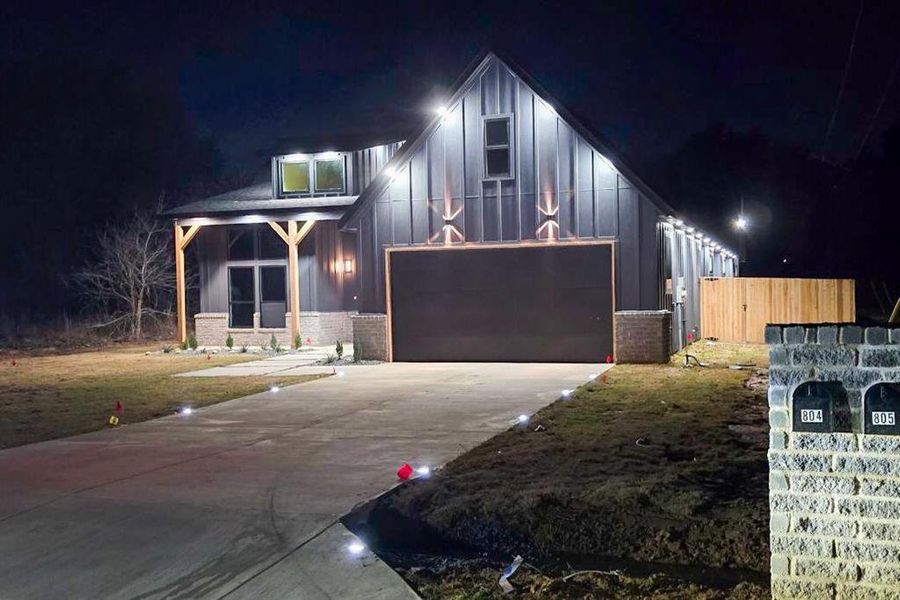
330	175
295	177
498	151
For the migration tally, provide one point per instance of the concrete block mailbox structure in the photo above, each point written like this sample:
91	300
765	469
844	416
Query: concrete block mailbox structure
834	482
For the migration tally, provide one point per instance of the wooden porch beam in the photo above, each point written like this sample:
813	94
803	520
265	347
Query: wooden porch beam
280	231
191	233
179	284
304	231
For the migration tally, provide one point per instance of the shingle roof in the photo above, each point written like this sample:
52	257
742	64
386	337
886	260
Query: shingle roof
251	199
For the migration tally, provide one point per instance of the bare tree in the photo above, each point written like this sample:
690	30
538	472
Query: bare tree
131	276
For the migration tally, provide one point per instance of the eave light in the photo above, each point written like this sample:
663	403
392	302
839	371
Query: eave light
442	111
329	155
294	157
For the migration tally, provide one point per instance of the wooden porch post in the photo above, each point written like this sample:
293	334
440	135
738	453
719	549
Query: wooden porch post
294	280
292	237
182	240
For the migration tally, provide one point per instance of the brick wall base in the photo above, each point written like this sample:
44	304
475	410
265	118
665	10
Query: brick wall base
370	336
316	328
643	336
834	497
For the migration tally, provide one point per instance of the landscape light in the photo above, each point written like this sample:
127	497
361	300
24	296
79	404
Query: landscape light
522	418
566	393
186	410
423	471
356	548
741	223
274	389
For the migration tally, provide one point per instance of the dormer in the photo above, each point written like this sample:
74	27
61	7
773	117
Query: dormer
310	175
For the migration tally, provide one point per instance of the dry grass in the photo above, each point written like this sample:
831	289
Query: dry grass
653	464
46	397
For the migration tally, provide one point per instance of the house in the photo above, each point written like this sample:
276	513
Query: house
502	229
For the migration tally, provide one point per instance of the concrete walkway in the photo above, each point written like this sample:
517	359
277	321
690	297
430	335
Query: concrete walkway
241	499
278	365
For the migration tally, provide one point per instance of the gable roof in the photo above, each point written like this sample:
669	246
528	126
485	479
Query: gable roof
481	63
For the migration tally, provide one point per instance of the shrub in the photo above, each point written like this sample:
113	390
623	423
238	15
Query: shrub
330	358
339	349
298	341
184	345
229	342
273	342
192	341
167	348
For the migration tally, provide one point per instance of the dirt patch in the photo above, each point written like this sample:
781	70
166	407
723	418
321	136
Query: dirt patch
653	465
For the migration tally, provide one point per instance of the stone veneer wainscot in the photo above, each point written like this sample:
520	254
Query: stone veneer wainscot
834	497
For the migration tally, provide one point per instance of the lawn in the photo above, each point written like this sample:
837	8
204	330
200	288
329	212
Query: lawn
655	475
46	397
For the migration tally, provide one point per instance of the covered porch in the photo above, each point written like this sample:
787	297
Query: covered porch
285	273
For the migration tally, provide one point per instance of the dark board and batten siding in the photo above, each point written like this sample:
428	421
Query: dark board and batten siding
440	193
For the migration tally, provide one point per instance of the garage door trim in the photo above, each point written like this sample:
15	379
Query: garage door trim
501	246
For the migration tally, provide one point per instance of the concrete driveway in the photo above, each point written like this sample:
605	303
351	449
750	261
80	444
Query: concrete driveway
241	499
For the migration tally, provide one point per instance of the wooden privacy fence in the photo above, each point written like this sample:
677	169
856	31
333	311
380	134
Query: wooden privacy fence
737	309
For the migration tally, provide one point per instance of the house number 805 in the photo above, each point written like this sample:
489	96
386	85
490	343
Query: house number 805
883	418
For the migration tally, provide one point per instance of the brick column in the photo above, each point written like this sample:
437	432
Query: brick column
643	336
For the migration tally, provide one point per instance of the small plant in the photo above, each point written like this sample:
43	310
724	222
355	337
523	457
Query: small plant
263	345
298	341
357	352
339	349
243	348
273	342
229	342
167	349
192	341
329	359
184	345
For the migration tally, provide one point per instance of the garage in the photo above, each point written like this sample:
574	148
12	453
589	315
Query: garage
552	303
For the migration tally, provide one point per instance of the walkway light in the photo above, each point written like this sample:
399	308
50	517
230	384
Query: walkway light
186	410
423	471
356	548
522	419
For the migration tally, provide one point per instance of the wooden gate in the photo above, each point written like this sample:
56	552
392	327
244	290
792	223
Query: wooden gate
737	309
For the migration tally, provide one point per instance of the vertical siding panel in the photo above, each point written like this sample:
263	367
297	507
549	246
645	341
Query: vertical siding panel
628	251
400	208
509	211
649	274
472	145
566	180
489	90
526	162
506	88
418	167
453	169
545	124
606	210
366	254
436	182
584	192
383	231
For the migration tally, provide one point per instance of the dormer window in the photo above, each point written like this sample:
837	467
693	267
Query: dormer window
295	177
498	149
330	175
311	175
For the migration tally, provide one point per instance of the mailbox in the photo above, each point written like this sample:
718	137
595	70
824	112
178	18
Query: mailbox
881	408
813	408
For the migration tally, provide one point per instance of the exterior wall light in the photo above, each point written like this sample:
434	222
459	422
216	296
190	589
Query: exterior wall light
348	265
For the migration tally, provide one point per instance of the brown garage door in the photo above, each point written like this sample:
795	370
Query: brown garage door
547	304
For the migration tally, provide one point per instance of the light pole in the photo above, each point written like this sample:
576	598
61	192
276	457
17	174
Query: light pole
741	223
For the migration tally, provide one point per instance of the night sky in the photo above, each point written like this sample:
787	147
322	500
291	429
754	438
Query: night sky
644	74
105	106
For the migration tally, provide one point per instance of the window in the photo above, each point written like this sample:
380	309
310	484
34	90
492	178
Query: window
272	296
295	177
240	243
330	175
241	296
498	148
271	246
